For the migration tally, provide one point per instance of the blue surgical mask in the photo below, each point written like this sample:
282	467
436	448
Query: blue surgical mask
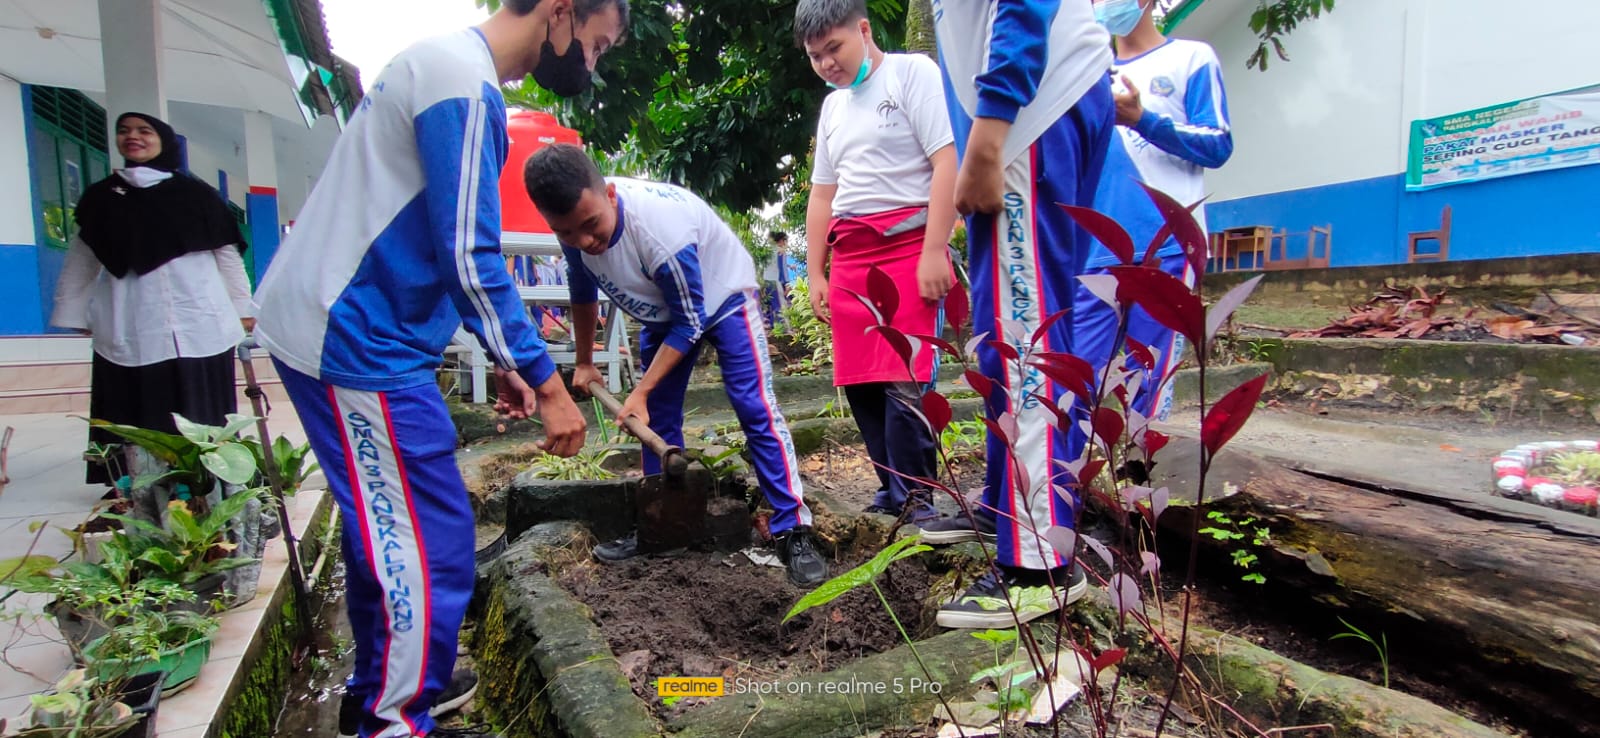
866	68
1119	17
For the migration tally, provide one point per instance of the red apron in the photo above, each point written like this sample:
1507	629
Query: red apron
857	245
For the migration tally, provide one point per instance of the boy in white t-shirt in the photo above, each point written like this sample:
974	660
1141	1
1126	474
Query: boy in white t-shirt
663	256
882	195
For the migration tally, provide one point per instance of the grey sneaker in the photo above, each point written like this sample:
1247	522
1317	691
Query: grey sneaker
984	604
960	529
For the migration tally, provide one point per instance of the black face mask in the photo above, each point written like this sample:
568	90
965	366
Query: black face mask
566	74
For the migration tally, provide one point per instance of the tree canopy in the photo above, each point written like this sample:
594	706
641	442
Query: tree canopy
714	96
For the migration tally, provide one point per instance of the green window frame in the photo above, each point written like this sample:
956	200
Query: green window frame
68	151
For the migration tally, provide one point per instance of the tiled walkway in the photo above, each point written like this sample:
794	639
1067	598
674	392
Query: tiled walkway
47	486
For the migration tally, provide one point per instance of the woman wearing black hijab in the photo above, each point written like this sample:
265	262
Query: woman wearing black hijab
156	276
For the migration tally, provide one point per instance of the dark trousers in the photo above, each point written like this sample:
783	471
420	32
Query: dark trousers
896	438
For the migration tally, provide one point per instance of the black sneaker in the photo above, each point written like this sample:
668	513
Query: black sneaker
984	604
881	510
474	731
618	551
463	685
960	529
799	554
486	555
349	716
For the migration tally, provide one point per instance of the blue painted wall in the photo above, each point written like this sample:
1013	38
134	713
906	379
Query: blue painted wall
261	211
19	283
1538	214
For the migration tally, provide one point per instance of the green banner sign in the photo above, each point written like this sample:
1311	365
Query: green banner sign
1533	135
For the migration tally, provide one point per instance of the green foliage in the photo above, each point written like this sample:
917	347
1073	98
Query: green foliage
1578	466
754	231
1273	20
805	328
1239	530
866	573
78	707
963	438
710	94
197	455
588	464
290	459
722	464
188	548
1381	645
146	633
1009	675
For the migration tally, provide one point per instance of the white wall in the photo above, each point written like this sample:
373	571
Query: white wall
1341	108
16	204
1328	115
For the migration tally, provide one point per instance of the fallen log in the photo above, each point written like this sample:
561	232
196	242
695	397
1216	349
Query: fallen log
1503	607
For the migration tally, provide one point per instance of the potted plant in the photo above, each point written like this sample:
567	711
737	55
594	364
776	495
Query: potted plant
175	641
83	707
191	550
90	598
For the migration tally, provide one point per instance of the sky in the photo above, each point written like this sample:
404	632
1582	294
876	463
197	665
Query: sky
370	32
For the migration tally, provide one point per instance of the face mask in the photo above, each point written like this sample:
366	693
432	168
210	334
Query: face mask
1118	16
866	68
566	74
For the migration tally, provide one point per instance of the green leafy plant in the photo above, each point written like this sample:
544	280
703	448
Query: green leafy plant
1273	20
293	461
1009	676
867	574
189	548
589	463
723	463
1576	467
1239	530
78	707
807	329
963	438
1380	644
836	407
196	456
147	633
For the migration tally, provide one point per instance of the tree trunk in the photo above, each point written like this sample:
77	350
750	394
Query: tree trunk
1477	595
919	28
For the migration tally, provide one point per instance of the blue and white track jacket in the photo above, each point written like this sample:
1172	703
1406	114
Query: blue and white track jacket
673	264
399	243
1023	61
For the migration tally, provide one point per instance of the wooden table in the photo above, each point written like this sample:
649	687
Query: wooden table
1234	243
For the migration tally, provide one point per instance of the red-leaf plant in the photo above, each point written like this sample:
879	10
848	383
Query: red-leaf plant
1119	439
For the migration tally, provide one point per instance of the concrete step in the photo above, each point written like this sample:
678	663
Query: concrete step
63	386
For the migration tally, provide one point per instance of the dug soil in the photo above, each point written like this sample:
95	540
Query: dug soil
715	614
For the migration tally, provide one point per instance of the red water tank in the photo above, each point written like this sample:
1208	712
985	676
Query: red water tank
527	131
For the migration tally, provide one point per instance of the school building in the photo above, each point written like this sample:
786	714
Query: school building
1504	99
251	85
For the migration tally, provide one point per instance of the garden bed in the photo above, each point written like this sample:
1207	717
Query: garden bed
712	614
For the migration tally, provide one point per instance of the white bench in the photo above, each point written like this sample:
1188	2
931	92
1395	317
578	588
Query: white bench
612	358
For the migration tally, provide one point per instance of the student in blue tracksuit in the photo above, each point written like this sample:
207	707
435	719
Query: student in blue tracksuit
1172	117
398	245
1032	113
666	258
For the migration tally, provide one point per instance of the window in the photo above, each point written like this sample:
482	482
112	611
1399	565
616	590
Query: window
67	148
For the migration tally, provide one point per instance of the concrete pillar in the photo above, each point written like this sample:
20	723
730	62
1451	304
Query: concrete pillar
261	199
130	53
